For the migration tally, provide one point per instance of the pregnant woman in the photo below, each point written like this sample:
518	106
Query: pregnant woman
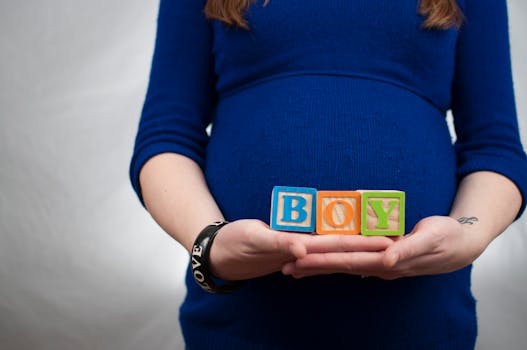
334	95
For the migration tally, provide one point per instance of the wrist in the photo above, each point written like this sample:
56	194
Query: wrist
200	261
192	228
476	239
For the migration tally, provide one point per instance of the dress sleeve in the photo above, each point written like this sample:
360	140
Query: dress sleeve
178	104
483	102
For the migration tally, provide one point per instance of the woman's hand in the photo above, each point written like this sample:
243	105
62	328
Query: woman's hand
249	248
437	244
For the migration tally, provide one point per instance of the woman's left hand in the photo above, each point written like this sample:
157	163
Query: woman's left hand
437	244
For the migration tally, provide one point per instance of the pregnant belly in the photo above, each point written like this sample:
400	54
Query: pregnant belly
330	133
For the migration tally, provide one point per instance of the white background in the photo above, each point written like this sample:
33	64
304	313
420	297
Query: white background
82	265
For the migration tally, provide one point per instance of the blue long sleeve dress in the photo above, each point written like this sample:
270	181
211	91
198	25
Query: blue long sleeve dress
335	95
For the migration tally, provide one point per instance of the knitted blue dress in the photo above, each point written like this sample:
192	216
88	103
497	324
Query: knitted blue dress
335	95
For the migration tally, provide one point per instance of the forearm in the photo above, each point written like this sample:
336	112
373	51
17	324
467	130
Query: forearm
489	202
176	195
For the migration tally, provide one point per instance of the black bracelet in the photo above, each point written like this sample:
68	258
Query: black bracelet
200	261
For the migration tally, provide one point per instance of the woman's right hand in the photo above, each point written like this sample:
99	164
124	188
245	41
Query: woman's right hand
249	248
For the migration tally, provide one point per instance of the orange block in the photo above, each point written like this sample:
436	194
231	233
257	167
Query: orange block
338	212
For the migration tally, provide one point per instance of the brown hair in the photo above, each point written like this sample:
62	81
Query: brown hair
440	14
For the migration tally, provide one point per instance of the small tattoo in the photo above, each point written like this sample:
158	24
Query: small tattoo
470	221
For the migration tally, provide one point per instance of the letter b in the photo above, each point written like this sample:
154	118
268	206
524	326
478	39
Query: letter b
294	204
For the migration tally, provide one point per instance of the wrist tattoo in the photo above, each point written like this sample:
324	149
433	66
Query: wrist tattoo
470	221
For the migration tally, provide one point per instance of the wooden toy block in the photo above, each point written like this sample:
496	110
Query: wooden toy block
293	209
383	213
338	212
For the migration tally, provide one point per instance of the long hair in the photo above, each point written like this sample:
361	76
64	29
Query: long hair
439	14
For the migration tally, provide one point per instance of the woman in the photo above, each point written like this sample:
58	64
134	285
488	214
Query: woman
335	95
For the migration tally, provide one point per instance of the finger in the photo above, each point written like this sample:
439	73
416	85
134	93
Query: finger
289	244
298	250
315	272
415	244
428	264
345	243
325	263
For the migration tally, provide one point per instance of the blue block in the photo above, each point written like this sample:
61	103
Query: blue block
293	209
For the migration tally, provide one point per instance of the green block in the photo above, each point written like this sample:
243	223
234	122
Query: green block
382	213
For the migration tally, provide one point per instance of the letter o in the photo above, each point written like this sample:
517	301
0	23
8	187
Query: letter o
199	276
348	213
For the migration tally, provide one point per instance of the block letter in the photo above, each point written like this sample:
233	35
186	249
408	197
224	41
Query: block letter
294	204
293	209
383	213
338	212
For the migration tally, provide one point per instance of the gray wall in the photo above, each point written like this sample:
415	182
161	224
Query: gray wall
82	265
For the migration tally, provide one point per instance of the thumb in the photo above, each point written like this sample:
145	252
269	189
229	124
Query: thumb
409	246
298	250
291	244
391	257
285	243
